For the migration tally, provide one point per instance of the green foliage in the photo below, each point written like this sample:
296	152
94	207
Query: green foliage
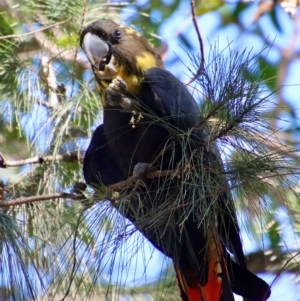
275	20
268	73
203	7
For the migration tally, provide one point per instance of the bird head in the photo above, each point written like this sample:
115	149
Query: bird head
115	50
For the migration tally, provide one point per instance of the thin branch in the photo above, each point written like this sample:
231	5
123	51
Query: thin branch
63	195
37	198
260	262
39	160
163	151
50	75
149	175
284	266
15	36
201	66
44	103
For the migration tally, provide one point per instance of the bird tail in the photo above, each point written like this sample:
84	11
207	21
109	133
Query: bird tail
219	279
192	288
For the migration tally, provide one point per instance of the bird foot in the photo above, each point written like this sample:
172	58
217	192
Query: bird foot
115	94
140	169
118	85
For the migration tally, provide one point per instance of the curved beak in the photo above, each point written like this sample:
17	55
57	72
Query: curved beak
97	51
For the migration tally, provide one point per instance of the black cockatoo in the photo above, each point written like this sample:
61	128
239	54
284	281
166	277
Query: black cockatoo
151	123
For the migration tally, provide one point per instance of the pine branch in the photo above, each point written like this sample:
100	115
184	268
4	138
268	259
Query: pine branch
38	198
106	193
149	175
261	261
201	45
73	157
17	36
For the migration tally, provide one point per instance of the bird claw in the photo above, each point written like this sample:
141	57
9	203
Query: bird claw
113	98
140	169
118	85
115	94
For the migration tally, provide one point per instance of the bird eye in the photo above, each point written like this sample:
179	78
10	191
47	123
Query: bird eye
116	35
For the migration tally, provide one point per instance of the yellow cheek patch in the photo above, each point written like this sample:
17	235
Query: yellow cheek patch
146	60
130	31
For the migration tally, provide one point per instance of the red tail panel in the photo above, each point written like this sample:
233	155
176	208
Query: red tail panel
189	285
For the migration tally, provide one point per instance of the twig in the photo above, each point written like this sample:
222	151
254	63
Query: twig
37	198
13	36
201	67
38	160
284	266
44	103
49	72
64	195
150	175
163	151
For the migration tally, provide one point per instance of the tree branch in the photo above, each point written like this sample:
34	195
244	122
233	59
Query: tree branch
73	157
260	261
149	175
16	36
50	75
108	192
37	198
201	67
